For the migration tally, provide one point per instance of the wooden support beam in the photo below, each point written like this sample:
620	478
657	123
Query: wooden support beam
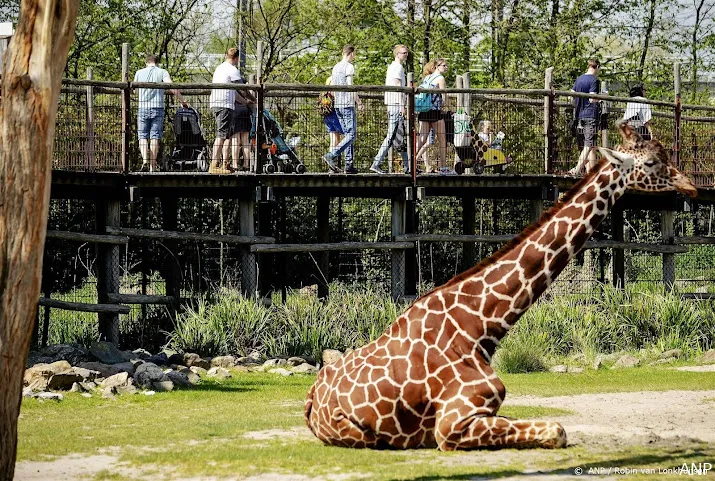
323	235
469	217
108	216
694	240
82	237
140	299
247	226
397	275
165	234
667	229
331	246
113	309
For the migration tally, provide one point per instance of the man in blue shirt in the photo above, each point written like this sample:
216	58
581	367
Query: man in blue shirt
587	112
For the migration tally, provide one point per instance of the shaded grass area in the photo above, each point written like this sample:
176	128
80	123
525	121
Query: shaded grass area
253	424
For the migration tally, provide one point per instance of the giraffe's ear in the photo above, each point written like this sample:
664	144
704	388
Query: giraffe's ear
614	157
628	134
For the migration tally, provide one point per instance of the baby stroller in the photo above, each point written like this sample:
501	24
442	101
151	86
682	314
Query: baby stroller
470	149
189	142
280	154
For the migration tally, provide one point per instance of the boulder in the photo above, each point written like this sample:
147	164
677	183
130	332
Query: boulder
199	371
708	357
256	356
626	361
128	367
226	362
272	363
38	376
671	354
164	385
119	383
147	374
28	392
160	359
49	396
141	353
331	356
72	353
88	385
575	370
305	368
86	374
281	371
106	352
63	381
296	361
180	379
105	370
218	373
191	359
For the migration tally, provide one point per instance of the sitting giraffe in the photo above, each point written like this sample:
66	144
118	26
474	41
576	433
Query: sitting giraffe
427	381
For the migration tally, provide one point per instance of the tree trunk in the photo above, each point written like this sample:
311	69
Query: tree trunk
31	83
650	23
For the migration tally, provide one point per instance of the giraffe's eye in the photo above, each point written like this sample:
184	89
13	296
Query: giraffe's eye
649	163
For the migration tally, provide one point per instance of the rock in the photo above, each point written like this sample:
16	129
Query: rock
191	359
575	370
28	392
162	386
173	357
88	385
76	387
49	396
105	370
309	291
240	369
141	353
180	379
281	371
108	393
148	393
305	368
626	361
148	373
331	356
256	368
86	394
271	363
598	362
106	352
38	376
128	367
224	361
296	361
120	383
199	371
708	357
560	368
72	353
63	381
256	356
671	354
662	361
218	373
160	359
86	374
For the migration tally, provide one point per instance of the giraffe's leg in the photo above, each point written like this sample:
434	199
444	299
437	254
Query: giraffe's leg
467	419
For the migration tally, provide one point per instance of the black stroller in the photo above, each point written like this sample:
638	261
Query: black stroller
189	142
280	154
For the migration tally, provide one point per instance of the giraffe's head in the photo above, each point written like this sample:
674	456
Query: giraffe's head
647	164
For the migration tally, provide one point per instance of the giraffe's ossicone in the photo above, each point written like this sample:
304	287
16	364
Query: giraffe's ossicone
427	381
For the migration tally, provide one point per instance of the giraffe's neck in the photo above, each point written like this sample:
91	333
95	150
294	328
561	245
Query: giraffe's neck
501	291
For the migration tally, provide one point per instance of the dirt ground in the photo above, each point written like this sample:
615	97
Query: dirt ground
669	418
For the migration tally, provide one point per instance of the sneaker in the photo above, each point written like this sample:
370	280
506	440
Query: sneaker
350	170
329	160
375	167
216	169
144	167
446	171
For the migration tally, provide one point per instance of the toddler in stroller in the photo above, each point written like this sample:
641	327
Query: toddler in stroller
189	142
280	154
481	150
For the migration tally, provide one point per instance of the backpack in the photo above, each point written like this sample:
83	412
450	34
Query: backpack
326	103
423	100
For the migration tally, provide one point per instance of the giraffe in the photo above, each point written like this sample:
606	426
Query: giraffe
427	381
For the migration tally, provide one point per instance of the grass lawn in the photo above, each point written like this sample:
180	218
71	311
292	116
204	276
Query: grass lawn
253	424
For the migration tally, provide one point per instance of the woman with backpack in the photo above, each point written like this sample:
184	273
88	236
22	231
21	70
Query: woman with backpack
433	78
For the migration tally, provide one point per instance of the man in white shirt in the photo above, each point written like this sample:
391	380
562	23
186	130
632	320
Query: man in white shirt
151	112
343	74
639	115
222	103
395	102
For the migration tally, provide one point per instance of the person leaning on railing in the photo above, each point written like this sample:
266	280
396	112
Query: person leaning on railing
151	112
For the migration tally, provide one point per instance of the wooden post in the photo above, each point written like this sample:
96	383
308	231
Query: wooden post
619	265
411	128
467	100
549	110
265	262
249	280
126	114
108	214
260	154
537	208
667	231
411	224
469	217
678	113
604	111
89	143
323	236
171	271
398	255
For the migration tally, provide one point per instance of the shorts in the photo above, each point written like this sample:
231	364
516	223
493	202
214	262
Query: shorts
588	137
430	116
332	123
224	121
150	123
241	119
